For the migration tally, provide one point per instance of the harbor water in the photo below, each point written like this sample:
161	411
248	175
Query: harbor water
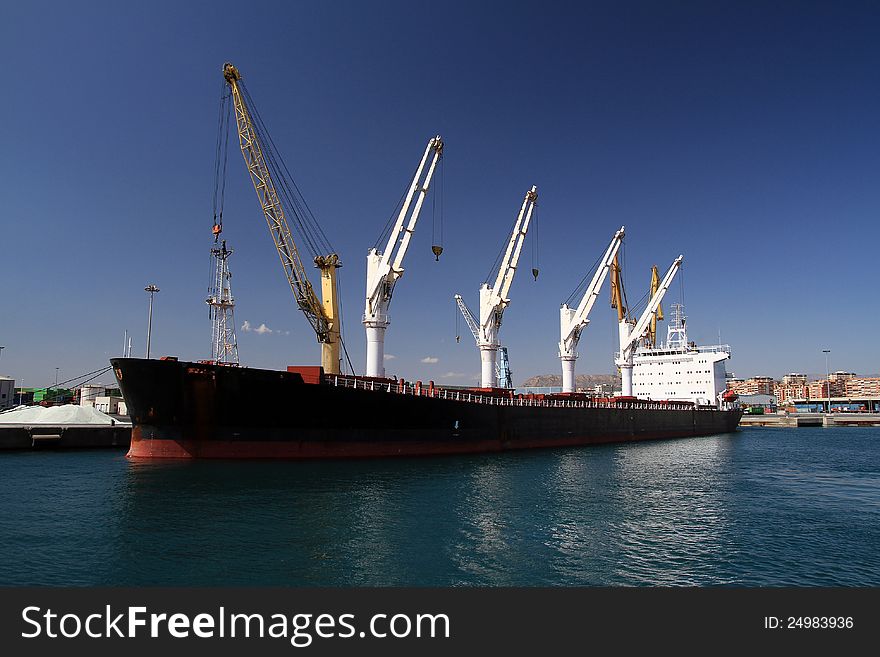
760	507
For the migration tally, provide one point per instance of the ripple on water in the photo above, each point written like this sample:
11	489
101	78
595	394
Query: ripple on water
755	508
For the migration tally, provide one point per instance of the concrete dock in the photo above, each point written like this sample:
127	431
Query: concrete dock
68	436
812	420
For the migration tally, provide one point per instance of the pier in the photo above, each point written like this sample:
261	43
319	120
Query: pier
812	420
68	436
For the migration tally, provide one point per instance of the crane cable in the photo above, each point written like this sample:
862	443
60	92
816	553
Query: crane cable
386	229
221	156
221	160
304	220
496	266
94	374
342	325
434	242
581	287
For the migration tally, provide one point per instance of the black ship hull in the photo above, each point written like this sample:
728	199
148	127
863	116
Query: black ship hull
195	410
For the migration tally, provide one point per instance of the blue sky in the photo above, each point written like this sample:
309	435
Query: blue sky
743	135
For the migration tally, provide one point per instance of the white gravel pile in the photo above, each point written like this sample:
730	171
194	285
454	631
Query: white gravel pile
67	414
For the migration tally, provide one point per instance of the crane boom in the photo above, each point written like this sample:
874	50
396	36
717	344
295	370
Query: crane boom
630	335
493	300
382	273
642	325
572	321
578	318
651	337
323	317
468	318
508	266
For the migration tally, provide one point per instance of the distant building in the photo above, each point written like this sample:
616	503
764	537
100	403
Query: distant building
108	404
7	392
90	392
822	388
757	385
792	386
792	391
863	388
24	396
765	402
599	390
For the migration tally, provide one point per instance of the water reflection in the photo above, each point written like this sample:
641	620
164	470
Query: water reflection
754	508
674	522
483	544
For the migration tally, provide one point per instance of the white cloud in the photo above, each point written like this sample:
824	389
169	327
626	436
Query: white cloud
389	356
459	375
430	360
262	329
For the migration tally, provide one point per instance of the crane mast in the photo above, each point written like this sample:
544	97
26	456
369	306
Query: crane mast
323	316
651	336
503	374
630	333
493	300
385	269
572	321
221	304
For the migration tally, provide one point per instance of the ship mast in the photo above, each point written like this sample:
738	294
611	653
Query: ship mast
221	305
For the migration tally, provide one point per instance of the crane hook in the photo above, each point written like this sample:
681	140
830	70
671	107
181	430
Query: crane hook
535	273
437	250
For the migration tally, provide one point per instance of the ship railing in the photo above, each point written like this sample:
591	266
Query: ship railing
420	390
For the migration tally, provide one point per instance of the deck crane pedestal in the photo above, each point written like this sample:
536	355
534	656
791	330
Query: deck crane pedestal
384	269
322	315
493	300
572	321
631	333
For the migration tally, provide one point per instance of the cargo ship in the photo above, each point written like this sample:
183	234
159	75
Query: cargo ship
218	409
201	410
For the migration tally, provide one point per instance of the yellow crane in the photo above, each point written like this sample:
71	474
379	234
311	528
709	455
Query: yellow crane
651	337
322	315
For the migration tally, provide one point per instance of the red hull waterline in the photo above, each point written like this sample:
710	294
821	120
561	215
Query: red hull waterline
153	448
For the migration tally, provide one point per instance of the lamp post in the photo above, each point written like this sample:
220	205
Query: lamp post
827	380
152	289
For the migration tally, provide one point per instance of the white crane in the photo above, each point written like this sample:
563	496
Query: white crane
384	269
631	334
493	300
502	370
572	321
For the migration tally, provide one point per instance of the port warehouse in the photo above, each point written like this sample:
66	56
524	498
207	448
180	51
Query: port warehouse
841	390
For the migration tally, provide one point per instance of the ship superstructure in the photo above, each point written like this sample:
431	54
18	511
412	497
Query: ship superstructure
680	370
